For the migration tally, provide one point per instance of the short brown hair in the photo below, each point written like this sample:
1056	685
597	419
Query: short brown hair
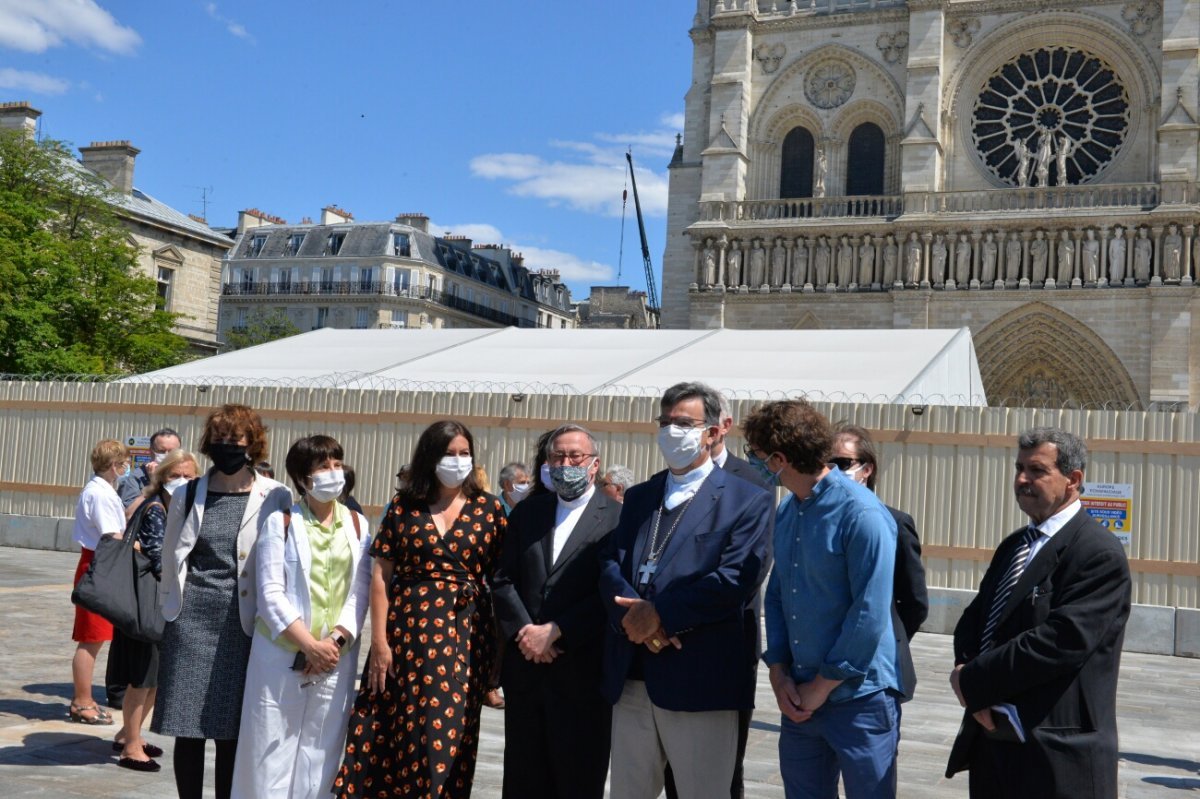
235	421
793	428
106	453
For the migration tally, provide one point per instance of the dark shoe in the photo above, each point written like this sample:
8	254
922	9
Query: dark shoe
139	765
494	699
150	749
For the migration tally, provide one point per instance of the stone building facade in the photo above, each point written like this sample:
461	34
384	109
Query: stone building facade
1021	167
346	274
615	308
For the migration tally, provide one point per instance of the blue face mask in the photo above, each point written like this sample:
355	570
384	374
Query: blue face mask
570	481
760	465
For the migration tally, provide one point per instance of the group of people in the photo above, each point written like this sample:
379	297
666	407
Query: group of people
621	619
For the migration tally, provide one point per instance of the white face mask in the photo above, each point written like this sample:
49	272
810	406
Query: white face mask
856	475
680	446
159	457
327	485
171	485
452	470
519	490
544	476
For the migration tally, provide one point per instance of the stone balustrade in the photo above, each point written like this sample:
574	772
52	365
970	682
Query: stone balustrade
801	209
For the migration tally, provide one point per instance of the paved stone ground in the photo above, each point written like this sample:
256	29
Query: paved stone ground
43	755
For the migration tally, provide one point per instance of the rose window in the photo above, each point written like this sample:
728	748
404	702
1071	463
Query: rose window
1052	117
830	83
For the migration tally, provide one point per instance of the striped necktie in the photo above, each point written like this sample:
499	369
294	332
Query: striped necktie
1016	568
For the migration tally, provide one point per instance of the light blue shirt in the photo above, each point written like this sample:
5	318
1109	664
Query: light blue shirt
829	599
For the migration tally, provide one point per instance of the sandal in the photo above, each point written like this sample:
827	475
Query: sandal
150	749
75	712
139	765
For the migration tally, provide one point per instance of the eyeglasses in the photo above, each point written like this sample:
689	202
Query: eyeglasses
680	421
843	463
573	458
751	453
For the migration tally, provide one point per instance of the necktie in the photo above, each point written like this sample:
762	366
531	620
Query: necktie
1016	568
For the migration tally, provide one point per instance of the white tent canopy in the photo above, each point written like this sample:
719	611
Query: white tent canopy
913	366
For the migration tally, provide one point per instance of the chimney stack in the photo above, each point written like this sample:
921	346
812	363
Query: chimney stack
332	215
113	161
417	220
19	116
252	218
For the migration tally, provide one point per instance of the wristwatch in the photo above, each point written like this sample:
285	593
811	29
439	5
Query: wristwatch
338	638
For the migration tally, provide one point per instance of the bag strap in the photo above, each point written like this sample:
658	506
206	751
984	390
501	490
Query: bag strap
190	498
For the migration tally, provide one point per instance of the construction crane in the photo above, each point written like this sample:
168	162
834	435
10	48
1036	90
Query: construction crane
651	289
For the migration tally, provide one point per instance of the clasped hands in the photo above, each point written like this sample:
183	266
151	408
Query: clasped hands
984	717
798	701
643	626
321	656
536	642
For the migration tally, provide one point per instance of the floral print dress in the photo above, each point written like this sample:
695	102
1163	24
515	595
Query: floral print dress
419	737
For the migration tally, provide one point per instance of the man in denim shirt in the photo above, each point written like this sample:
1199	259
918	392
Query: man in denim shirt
830	644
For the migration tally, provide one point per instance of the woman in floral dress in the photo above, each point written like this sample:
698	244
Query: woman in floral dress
414	730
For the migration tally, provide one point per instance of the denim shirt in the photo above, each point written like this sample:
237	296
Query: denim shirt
829	599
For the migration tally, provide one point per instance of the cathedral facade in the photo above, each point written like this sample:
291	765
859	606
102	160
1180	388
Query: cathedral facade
1024	168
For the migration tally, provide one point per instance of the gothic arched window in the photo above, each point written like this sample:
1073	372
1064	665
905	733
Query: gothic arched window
864	160
796	170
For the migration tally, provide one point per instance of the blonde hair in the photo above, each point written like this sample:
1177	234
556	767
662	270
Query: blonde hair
159	478
106	453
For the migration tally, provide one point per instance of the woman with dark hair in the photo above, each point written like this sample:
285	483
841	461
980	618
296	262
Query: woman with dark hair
414	730
208	558
313	573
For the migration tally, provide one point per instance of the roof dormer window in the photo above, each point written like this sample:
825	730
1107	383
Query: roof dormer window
256	246
334	244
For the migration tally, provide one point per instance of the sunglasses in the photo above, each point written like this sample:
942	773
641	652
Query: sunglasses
843	463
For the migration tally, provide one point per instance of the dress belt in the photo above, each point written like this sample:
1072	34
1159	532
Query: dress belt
467	597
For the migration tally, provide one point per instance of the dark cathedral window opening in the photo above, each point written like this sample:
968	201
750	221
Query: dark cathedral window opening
796	169
865	161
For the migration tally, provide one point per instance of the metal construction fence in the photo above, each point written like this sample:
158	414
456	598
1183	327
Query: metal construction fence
949	466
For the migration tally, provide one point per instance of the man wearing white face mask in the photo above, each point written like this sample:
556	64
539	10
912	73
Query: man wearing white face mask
680	573
131	486
514	485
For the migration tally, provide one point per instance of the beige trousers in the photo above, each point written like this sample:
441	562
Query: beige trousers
701	748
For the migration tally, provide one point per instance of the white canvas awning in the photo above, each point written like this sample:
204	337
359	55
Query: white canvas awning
905	366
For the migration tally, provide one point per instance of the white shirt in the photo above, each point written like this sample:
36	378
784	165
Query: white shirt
1051	526
98	511
682	487
720	459
566	516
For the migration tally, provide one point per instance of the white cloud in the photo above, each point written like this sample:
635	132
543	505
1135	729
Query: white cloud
35	26
573	268
34	82
673	121
235	28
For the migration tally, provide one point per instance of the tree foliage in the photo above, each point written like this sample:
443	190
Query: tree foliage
72	298
261	327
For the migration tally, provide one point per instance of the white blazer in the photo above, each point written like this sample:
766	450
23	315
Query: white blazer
284	566
266	496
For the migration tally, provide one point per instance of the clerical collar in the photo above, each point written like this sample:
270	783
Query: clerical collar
720	459
579	501
690	480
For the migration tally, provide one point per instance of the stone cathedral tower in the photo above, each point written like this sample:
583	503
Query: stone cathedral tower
1027	168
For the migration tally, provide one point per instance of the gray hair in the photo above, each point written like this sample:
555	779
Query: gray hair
511	470
621	475
1072	452
571	428
725	412
686	391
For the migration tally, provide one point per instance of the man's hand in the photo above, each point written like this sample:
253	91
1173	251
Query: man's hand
813	694
536	641
549	656
984	717
786	695
641	620
954	683
660	641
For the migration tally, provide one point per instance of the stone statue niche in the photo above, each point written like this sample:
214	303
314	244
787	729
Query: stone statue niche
821	261
1117	248
1012	259
1143	256
845	263
1039	253
1066	258
912	259
799	276
778	264
962	260
988	254
1172	254
1089	259
733	265
758	265
708	261
937	260
891	253
866	262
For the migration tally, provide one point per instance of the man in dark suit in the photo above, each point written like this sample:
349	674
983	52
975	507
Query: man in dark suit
854	453
556	722
682	567
1042	641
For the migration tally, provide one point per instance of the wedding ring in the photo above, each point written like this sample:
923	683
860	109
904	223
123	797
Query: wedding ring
657	643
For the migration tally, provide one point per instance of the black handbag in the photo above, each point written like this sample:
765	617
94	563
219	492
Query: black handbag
120	585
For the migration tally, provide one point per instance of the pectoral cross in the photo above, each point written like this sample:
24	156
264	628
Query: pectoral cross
646	571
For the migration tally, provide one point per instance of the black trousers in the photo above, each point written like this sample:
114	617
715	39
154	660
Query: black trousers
555	746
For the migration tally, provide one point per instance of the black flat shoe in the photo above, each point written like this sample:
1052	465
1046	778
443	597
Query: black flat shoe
139	765
150	749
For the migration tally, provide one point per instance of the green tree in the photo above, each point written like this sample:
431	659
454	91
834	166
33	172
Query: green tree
72	298
261	327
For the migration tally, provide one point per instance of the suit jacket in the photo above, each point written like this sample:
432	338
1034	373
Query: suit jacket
266	497
707	578
910	604
1056	654
530	589
743	469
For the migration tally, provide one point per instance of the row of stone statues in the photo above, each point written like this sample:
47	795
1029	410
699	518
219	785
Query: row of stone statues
976	259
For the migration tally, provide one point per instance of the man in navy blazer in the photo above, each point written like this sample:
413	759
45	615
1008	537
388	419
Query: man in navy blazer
682	567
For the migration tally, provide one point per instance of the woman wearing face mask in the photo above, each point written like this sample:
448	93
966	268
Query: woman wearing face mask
414	730
133	662
313	575
208	594
99	512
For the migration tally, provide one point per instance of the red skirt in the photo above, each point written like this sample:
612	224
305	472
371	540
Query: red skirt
89	627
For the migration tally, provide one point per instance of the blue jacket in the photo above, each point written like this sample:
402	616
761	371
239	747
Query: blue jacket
708	576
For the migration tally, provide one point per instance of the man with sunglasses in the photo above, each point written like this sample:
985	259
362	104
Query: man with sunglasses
681	570
830	646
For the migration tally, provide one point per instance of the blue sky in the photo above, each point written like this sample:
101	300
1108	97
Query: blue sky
504	121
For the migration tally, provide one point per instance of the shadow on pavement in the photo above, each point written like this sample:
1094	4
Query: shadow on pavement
35	711
1165	762
63	690
1179	783
59	749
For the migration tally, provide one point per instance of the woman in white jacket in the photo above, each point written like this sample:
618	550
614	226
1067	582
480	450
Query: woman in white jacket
313	577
